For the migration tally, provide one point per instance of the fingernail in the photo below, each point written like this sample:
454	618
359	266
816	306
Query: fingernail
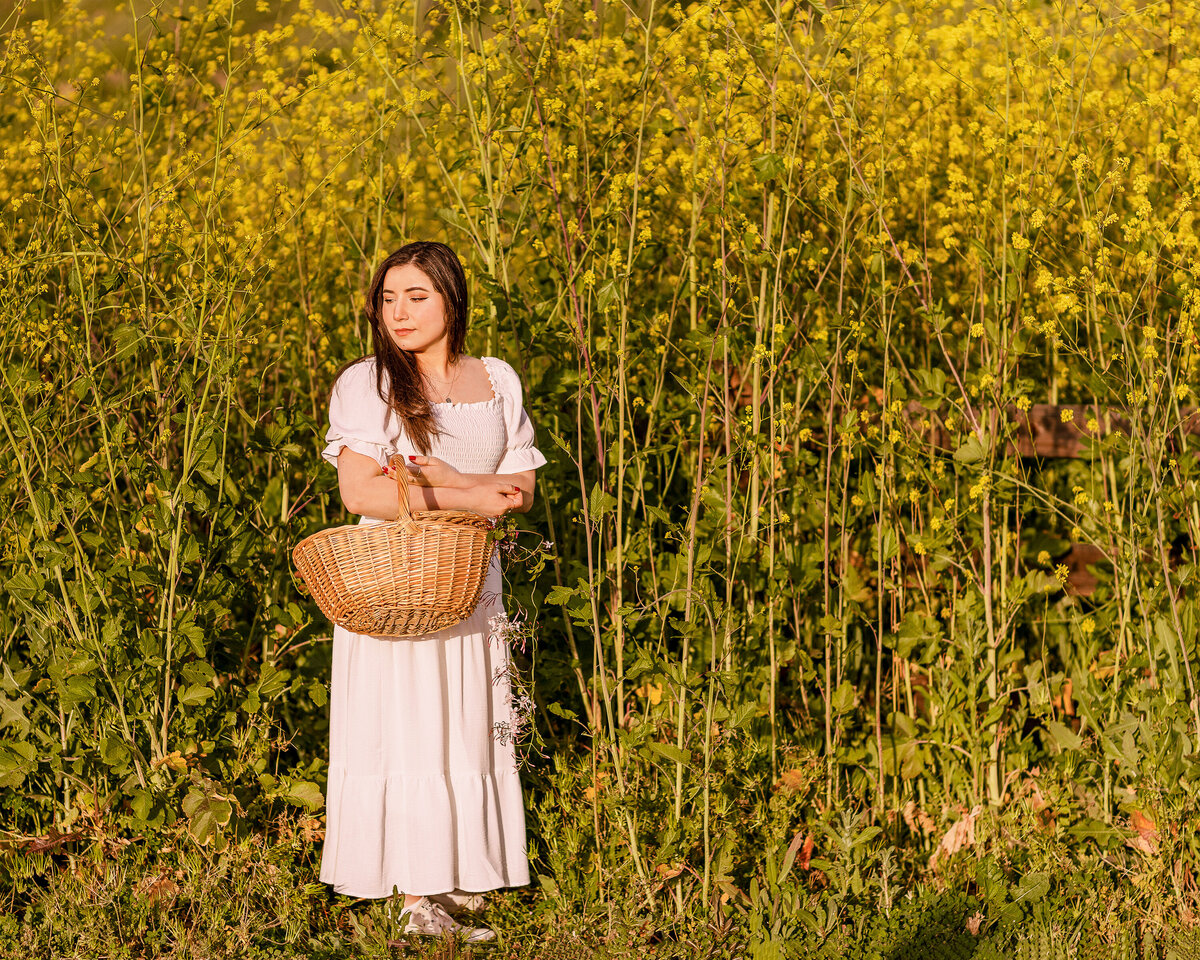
411	457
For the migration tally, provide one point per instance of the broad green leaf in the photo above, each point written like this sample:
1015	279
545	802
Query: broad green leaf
560	711
197	693
317	693
769	166
972	451
560	594
670	751
1032	888
113	751
608	293
1063	736
600	502
306	794
17	760
843	698
206	814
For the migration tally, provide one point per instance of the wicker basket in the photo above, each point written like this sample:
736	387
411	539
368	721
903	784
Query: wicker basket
404	578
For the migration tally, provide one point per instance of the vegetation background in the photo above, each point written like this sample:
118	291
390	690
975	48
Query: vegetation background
785	284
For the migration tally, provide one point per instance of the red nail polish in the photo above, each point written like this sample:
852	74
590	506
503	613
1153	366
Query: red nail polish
411	457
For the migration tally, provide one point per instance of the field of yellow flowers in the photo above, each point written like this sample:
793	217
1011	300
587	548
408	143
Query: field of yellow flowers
862	342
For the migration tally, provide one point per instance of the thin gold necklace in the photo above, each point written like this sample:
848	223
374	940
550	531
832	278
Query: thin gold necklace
450	389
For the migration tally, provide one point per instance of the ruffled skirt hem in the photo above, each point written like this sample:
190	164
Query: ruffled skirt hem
408	831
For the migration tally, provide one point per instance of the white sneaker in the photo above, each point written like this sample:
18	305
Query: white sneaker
427	918
457	901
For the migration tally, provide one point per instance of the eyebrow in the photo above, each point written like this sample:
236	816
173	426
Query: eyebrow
406	290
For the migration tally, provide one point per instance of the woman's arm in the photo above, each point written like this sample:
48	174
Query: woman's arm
438	474
525	479
366	491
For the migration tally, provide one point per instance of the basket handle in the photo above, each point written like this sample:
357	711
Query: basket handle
403	512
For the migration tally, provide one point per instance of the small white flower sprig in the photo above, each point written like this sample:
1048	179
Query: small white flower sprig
534	556
513	633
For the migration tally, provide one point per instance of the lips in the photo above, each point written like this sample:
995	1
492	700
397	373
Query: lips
403	330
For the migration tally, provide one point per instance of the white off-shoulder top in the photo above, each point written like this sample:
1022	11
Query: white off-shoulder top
482	436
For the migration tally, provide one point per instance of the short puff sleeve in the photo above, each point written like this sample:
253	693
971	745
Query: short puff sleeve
358	416
519	452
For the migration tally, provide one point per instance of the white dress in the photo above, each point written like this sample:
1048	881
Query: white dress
423	790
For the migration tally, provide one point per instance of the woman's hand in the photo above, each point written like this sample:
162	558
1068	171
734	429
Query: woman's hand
496	497
432	472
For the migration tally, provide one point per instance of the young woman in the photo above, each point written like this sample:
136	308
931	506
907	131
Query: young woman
423	795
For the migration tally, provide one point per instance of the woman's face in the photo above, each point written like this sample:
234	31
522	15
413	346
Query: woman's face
412	310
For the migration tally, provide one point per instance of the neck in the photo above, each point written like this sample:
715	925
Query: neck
435	362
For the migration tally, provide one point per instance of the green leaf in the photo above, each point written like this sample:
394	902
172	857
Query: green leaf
854	586
869	834
1097	830
560	595
114	752
1032	888
272	682
934	381
767	167
305	794
125	340
608	293
972	451
768	950
843	698
196	693
742	714
1063	736
454	218
22	585
886	543
600	502
18	759
670	751
561	711
142	803
206	813
318	694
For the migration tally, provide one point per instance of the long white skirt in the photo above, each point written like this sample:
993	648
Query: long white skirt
423	792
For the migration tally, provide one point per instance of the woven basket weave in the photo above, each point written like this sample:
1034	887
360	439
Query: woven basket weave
416	574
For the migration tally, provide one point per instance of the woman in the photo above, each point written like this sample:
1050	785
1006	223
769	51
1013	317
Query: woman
422	796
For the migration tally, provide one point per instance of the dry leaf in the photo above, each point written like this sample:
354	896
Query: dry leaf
1064	700
668	872
806	852
651	691
174	760
50	841
792	780
961	834
918	820
1146	838
1043	812
312	830
973	923
160	888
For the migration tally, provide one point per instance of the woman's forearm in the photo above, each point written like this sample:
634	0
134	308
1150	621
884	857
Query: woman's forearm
379	497
522	480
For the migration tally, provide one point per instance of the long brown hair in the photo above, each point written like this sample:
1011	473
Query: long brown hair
397	376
